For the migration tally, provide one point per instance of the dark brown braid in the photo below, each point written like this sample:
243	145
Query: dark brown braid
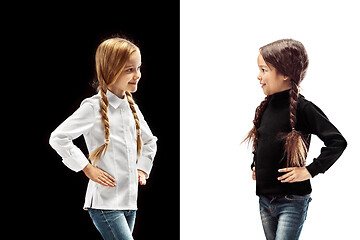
294	94
253	134
295	146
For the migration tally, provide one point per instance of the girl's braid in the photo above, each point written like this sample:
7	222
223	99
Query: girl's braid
295	146
137	122
253	134
294	94
104	103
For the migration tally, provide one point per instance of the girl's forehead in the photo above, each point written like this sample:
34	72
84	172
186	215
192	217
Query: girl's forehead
134	58
261	61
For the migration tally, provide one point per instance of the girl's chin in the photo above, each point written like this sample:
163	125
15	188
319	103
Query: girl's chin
132	89
267	92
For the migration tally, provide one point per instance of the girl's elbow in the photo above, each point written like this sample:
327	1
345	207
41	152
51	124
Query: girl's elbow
344	144
53	141
341	143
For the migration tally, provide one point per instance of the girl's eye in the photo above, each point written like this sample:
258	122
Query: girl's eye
132	69
263	70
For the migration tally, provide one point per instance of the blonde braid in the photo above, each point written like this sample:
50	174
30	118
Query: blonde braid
137	122
95	155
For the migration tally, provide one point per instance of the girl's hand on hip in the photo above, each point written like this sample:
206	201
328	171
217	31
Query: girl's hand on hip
253	173
99	176
142	177
294	174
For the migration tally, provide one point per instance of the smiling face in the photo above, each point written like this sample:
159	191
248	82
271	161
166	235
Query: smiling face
270	79
129	77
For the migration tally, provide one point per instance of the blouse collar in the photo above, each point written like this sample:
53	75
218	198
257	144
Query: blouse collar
114	100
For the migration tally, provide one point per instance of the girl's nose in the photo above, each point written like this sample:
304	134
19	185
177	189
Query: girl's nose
137	75
259	77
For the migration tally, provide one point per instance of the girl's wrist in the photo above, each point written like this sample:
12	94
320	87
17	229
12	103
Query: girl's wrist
87	168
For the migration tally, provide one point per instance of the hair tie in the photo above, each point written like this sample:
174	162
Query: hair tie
138	131
107	141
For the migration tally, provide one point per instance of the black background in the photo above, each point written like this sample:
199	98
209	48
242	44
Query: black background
50	59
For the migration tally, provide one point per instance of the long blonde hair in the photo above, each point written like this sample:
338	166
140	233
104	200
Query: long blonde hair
110	59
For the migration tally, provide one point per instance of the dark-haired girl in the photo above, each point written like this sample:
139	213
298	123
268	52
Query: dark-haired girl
283	124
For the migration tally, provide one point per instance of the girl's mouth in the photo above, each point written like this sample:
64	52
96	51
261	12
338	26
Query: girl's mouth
262	84
133	83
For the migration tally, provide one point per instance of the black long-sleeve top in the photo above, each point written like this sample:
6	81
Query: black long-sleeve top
270	156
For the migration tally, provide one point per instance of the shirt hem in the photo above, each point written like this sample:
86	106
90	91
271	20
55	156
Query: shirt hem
111	208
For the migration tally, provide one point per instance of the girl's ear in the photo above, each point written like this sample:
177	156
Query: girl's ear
286	78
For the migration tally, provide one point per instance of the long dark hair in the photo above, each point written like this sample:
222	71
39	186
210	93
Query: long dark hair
289	58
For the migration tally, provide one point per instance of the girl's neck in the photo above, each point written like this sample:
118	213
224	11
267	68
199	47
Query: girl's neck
282	90
119	93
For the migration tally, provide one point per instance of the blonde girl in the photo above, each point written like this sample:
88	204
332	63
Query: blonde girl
121	145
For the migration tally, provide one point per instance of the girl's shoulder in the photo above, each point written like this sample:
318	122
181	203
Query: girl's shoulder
303	102
306	107
93	101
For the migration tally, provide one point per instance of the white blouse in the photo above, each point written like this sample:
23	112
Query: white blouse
120	159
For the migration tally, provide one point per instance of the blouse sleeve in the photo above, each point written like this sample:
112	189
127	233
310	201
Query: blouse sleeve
74	126
149	148
334	142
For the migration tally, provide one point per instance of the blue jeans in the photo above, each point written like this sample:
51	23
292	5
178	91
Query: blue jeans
114	224
283	216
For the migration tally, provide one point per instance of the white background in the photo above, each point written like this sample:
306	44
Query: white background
219	94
